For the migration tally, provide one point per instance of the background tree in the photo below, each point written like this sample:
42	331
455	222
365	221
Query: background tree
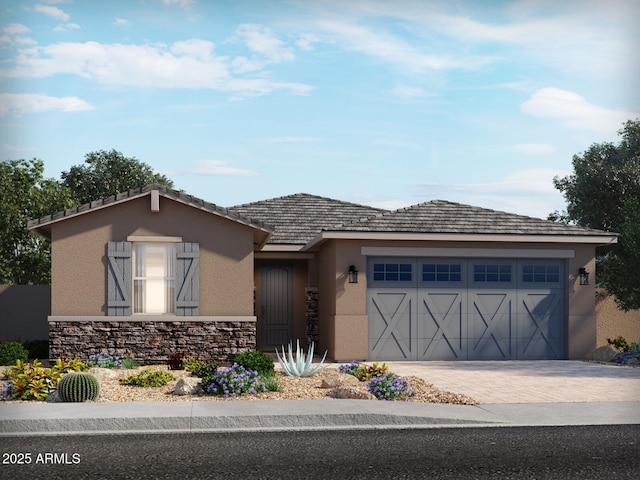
603	193
25	257
107	173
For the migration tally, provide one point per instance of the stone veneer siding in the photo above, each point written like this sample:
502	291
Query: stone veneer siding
151	342
312	314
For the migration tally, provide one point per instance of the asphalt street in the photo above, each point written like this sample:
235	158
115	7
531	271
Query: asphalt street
580	452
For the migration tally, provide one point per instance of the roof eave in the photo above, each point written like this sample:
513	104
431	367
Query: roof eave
597	240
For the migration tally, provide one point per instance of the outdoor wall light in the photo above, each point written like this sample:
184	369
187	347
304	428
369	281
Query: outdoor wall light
353	274
584	276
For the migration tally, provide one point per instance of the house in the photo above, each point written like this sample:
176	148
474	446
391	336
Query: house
154	271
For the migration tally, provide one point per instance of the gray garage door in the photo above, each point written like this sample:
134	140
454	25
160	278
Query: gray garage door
466	309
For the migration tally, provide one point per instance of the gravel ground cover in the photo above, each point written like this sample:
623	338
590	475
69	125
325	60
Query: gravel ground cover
291	388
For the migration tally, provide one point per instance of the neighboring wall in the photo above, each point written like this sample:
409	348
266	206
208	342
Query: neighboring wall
613	322
23	312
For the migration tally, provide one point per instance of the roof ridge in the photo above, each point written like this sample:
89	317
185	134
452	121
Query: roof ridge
308	195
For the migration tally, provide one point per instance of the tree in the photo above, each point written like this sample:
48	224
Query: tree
602	193
620	270
107	173
26	257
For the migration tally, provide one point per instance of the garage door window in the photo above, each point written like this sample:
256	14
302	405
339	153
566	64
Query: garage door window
492	273
540	273
392	272
449	272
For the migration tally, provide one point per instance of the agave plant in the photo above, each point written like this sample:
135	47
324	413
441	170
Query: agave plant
300	365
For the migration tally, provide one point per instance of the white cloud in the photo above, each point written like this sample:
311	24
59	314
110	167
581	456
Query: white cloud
184	64
181	3
306	41
54	12
65	27
394	50
220	168
15	29
526	192
574	111
21	103
262	41
407	91
294	139
121	22
534	148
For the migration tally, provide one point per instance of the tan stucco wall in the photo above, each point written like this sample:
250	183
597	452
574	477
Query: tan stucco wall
79	255
343	322
613	322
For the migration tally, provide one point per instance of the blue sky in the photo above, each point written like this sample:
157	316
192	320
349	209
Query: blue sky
382	103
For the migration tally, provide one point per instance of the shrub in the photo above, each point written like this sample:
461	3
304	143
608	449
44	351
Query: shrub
628	358
129	363
364	372
188	363
66	365
390	387
12	351
234	381
105	360
148	378
271	383
37	348
174	362
29	381
78	387
258	361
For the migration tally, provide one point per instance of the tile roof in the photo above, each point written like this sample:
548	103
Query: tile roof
42	225
298	218
439	216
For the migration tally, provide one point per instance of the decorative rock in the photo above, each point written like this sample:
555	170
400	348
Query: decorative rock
188	386
341	380
103	373
604	354
351	393
54	397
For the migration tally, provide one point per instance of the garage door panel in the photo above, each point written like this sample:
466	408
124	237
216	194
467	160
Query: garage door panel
468	309
392	329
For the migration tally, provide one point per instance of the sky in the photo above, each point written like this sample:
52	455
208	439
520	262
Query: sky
381	103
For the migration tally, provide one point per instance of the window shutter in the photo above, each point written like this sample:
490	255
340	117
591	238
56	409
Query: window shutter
188	279
119	278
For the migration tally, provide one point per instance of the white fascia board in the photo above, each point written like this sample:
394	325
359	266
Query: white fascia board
466	252
153	239
283	247
466	237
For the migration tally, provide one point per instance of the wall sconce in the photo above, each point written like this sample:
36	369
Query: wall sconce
584	276
353	274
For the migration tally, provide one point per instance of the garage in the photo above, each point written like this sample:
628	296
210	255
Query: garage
434	308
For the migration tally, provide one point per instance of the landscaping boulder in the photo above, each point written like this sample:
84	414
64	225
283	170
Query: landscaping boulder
604	354
53	397
340	380
351	393
188	386
103	373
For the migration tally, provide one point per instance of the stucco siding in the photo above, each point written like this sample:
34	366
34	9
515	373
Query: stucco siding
79	255
613	322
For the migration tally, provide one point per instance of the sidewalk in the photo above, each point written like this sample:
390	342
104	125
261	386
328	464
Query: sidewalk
511	394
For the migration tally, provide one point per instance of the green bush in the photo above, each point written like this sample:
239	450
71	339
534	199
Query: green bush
37	348
258	361
30	381
78	387
12	351
148	378
129	363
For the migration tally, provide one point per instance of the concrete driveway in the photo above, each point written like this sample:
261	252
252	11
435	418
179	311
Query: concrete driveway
546	381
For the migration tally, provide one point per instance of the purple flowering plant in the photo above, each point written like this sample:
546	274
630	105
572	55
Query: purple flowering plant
234	381
390	387
105	360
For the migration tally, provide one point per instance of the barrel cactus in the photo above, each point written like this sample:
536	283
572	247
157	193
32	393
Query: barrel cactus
78	387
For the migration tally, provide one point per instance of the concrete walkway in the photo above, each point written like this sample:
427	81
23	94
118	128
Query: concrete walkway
537	393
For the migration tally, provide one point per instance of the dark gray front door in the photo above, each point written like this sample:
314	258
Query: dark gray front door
276	309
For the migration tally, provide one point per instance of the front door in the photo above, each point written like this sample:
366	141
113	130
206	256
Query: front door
276	306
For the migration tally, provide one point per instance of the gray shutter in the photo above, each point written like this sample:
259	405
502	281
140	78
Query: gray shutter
119	278
188	279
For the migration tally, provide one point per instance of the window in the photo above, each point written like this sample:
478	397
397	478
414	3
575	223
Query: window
540	273
447	272
392	272
154	278
492	273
